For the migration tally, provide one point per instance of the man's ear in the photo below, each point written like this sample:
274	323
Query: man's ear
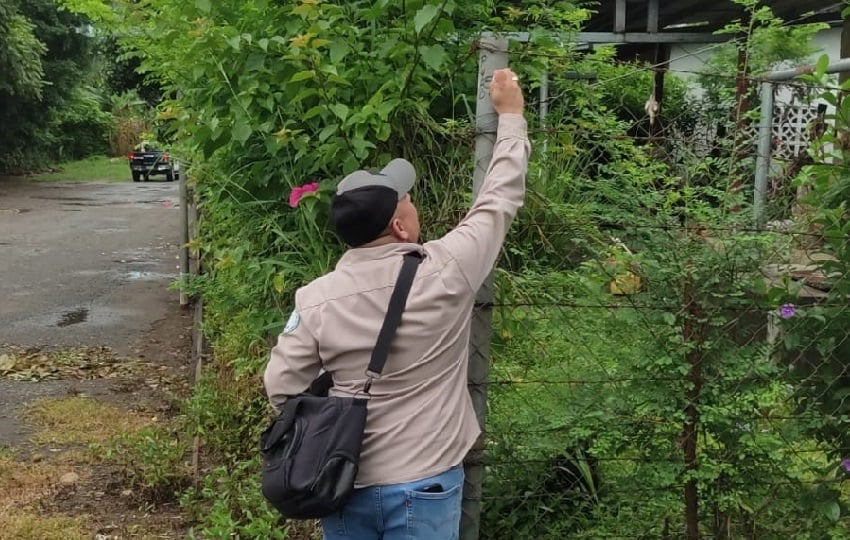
399	231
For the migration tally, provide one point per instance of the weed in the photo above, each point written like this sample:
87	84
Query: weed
230	503
152	460
631	382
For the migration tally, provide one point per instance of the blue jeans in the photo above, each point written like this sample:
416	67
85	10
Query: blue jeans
401	511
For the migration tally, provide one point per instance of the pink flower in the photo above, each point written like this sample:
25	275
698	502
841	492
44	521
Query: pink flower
299	192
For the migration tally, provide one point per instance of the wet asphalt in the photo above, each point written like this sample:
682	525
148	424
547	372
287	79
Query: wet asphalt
85	263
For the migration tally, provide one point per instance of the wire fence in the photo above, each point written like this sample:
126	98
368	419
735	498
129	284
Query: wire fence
661	367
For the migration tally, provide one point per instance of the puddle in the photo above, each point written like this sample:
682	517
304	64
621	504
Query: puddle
91	203
143	262
90	272
75	316
137	255
146	275
103	323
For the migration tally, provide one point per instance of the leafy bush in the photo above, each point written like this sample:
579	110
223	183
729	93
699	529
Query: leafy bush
81	126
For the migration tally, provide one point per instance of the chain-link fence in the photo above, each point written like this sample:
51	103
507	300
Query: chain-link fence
659	366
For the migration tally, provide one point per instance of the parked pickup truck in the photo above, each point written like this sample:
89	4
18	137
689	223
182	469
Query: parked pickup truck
150	161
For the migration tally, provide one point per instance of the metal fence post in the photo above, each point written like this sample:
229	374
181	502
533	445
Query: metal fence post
763	152
544	105
184	235
493	55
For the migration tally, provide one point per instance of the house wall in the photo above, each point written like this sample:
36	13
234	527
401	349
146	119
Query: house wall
687	60
829	41
793	114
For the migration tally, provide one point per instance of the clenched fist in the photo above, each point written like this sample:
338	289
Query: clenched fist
505	93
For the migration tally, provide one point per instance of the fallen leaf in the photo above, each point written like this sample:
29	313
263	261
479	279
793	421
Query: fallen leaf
7	362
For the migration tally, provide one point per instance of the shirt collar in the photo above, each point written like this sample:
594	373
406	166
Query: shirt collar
359	255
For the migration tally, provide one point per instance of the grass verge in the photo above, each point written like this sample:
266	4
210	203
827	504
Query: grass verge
28	526
82	421
97	168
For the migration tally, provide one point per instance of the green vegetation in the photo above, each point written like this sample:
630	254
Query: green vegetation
97	168
679	388
152	459
64	88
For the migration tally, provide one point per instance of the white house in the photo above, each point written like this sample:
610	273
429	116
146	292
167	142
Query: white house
793	115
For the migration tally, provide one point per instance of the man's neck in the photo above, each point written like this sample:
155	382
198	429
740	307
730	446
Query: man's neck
380	241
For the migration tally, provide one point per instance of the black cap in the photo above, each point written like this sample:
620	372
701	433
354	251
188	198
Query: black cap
365	201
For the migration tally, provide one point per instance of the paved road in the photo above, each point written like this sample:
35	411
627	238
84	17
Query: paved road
86	263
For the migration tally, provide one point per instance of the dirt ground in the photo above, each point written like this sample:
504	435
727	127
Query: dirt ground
86	311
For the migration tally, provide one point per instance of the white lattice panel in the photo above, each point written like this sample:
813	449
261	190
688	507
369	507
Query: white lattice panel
793	126
792	129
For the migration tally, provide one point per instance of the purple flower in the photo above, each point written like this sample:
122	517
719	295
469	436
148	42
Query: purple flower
787	311
846	464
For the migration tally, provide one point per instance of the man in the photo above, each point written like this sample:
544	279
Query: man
420	421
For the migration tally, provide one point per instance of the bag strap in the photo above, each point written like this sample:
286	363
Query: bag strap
393	318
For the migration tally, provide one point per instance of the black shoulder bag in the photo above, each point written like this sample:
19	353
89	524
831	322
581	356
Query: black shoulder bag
311	451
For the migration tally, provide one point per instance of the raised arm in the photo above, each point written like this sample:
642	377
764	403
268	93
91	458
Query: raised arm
475	243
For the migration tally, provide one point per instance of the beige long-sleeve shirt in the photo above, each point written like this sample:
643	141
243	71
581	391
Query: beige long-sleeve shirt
420	419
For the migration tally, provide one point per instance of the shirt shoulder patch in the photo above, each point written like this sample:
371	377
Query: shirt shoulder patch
292	323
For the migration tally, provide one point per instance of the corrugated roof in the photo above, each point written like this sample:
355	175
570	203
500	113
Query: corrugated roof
683	15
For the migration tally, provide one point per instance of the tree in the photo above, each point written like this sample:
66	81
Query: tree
48	52
20	55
